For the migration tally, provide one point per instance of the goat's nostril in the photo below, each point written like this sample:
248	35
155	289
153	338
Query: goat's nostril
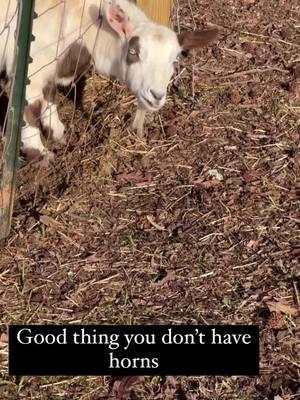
156	95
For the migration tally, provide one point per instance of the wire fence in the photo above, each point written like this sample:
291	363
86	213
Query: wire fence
29	119
52	60
17	22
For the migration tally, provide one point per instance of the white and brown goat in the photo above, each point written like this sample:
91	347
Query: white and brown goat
70	35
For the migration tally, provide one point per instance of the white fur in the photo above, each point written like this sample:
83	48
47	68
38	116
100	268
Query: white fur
50	119
31	138
61	23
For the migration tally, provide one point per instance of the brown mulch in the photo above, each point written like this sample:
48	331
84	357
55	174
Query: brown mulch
198	224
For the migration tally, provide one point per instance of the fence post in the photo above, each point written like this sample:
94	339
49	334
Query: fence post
158	10
15	114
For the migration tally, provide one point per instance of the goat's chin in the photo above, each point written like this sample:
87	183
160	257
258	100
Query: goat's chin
146	106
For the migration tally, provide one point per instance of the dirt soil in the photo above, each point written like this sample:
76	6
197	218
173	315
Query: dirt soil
197	224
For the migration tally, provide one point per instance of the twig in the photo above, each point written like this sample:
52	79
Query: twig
248	72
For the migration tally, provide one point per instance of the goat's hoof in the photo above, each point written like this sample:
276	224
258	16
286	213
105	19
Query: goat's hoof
38	157
62	141
138	129
31	154
48	155
58	133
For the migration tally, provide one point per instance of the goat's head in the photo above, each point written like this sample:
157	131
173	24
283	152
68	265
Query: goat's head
150	53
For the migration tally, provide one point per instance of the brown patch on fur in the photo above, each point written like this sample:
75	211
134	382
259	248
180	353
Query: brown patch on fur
48	132
32	154
134	44
75	62
193	40
33	114
49	92
75	93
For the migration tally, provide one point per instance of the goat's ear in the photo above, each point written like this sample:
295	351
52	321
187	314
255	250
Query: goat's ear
196	39
118	20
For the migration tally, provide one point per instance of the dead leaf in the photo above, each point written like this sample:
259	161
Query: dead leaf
207	184
132	178
198	181
250	175
277	321
295	88
251	244
37	297
295	251
50	222
235	97
4	337
138	302
282	307
296	71
297	160
171	276
93	258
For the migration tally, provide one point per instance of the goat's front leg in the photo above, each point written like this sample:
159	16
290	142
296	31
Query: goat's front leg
32	145
49	115
139	119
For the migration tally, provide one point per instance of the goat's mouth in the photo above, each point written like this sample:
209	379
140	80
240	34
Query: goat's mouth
150	105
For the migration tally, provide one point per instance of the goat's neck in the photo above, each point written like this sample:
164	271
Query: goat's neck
108	54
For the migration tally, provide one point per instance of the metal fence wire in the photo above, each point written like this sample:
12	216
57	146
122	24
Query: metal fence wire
18	20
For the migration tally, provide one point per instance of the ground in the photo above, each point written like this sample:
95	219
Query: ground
197	224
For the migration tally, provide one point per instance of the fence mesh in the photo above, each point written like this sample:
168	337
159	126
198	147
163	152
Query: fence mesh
14	46
41	118
85	107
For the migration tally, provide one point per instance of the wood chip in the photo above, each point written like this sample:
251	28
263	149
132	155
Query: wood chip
4	338
282	307
250	175
207	184
48	221
158	227
135	178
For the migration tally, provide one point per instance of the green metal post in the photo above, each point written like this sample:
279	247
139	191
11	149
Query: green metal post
15	114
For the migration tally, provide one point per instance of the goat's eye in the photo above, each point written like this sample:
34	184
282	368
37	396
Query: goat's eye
177	59
132	51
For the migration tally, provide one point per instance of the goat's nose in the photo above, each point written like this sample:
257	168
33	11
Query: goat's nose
157	96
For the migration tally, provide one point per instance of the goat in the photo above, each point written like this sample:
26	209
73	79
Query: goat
114	36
